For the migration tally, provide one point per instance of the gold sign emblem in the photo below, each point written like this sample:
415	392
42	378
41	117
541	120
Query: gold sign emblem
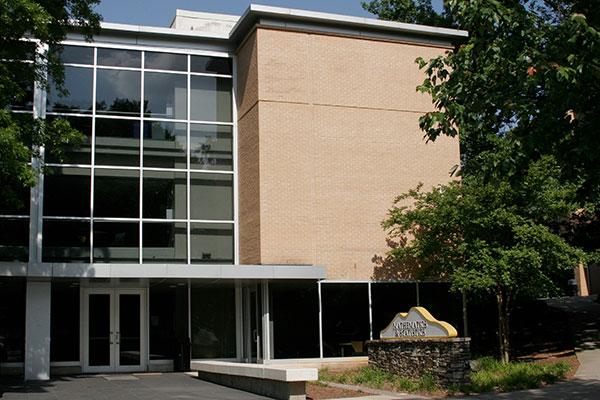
417	323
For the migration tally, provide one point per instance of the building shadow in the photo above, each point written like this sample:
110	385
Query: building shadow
580	389
10	385
387	268
17	385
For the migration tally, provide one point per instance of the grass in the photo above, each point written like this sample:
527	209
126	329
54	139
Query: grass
378	379
493	375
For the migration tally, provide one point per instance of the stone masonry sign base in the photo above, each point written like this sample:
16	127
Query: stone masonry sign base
445	359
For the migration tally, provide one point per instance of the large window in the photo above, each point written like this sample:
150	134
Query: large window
153	181
79	85
64	321
388	299
295	319
354	312
345	319
213	320
14	227
168	323
14	215
12	319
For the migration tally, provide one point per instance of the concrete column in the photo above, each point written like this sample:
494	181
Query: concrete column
37	331
239	322
266	322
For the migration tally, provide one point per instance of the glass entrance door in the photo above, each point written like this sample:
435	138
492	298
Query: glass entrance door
129	330
252	324
100	330
113	330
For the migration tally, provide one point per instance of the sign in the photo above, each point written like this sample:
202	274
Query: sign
417	323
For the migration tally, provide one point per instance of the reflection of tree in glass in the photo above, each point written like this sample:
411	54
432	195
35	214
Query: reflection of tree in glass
203	156
22	100
211	64
159	131
122	128
167	133
60	107
126	106
213	331
219	65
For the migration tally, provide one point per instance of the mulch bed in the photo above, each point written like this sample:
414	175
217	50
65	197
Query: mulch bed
568	357
315	391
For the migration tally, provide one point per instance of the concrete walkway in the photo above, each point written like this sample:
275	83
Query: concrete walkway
173	386
375	394
575	389
585	323
589	365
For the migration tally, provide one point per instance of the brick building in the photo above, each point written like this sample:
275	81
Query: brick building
229	193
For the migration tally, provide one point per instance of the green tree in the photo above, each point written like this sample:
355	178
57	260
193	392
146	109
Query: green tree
488	237
522	94
526	83
26	28
412	11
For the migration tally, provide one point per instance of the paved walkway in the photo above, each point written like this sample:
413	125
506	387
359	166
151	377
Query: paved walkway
589	365
585	323
125	387
575	389
375	394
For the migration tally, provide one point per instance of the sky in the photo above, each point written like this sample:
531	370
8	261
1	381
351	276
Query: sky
161	12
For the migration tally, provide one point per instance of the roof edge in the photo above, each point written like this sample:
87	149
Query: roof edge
258	10
155	30
255	12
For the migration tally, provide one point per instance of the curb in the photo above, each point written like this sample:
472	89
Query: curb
378	392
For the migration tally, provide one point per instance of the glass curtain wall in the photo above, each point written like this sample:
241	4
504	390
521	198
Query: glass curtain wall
153	180
213	321
14	210
345	310
64	321
12	320
354	312
294	311
168	320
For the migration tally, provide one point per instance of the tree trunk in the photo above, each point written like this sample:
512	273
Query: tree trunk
503	301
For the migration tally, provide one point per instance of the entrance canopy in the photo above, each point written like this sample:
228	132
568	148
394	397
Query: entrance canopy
212	271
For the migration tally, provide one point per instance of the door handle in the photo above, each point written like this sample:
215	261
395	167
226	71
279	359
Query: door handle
118	339
110	338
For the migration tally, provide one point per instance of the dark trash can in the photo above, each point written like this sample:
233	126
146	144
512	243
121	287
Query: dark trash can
184	355
3	355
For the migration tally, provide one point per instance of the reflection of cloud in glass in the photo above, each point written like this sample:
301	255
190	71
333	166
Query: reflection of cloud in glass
166	95
118	91
211	99
78	85
211	65
119	58
175	62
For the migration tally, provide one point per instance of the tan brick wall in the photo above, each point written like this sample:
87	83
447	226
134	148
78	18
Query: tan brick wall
338	139
248	153
247	76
